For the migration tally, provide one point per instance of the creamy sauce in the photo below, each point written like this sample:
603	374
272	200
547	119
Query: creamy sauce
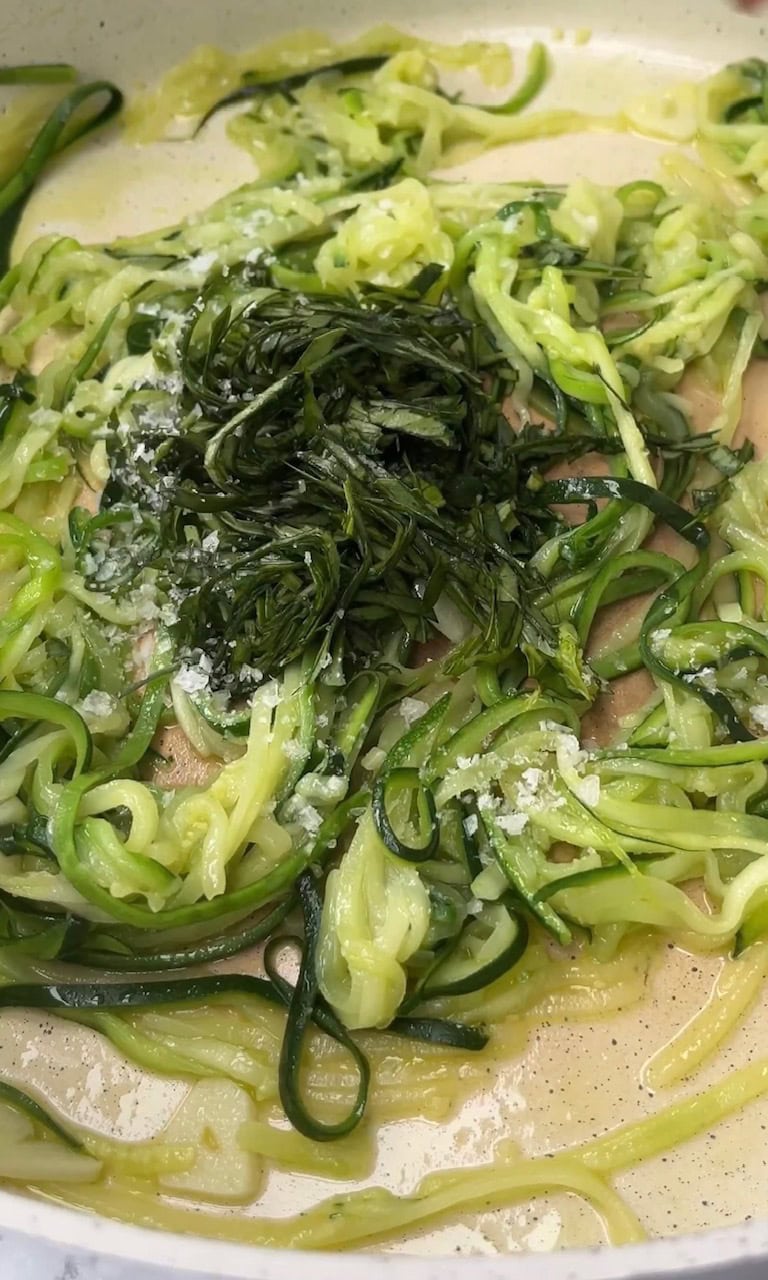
570	1082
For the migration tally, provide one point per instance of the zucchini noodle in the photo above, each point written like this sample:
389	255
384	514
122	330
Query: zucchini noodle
316	510
737	989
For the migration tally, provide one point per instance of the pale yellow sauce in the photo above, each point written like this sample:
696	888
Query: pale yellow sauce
570	1082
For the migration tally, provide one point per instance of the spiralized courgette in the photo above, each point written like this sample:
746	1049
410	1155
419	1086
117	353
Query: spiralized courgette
350	411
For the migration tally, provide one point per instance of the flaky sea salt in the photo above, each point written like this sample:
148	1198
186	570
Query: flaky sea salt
373	759
270	694
191	679
512	824
97	703
412	709
759	716
588	790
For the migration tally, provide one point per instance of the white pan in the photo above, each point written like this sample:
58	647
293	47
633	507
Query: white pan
708	1204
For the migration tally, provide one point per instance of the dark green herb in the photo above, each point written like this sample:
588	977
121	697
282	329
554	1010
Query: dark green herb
353	468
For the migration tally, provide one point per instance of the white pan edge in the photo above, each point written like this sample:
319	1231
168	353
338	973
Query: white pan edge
41	1241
